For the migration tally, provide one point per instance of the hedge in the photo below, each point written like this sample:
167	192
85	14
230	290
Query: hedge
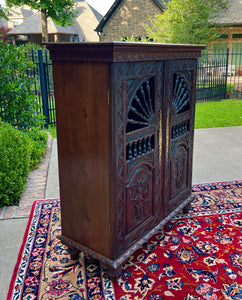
15	149
23	141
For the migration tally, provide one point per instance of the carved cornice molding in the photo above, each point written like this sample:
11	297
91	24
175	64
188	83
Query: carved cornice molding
121	51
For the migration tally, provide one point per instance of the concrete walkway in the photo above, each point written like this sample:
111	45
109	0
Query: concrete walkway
217	154
217	157
52	183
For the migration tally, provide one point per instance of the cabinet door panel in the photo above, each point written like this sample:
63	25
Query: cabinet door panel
179	167
137	95
139	197
180	97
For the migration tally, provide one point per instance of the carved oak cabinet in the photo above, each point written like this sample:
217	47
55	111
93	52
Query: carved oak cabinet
125	124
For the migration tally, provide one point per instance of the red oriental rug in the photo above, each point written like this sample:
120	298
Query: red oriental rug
195	256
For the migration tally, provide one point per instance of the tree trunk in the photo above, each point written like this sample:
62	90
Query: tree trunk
44	26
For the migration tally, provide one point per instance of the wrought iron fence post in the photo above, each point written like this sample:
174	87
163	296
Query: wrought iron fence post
43	87
226	73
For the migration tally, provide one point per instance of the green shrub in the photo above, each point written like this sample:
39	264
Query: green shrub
38	139
230	88
15	149
23	144
18	104
20	152
52	131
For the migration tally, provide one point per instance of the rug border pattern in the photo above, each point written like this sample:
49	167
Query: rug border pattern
14	293
15	288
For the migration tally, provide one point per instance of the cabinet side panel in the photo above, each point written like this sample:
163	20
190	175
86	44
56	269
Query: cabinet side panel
82	112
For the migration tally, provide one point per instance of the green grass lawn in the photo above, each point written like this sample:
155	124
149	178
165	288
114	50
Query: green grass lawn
223	113
52	131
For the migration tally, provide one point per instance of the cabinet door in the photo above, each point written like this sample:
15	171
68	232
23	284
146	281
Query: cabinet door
180	96
137	158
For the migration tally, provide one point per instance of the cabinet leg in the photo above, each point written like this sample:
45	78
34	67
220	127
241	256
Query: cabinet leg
186	208
74	253
113	274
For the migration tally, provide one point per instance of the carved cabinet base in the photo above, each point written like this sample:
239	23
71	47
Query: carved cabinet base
113	266
125	123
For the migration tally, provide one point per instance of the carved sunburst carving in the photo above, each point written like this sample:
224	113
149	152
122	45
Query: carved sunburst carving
181	98
141	110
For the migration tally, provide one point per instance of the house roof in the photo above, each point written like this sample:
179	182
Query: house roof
33	26
22	12
159	3
85	23
233	15
16	13
3	22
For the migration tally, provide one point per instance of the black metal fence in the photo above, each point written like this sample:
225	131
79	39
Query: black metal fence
219	75
43	83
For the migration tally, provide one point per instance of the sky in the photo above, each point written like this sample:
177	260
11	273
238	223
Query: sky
101	6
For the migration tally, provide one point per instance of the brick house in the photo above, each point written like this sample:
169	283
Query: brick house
231	35
127	18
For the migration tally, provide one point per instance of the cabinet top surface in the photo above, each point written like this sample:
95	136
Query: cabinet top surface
121	51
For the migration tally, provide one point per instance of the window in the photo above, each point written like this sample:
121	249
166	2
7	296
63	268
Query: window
75	38
220	53
220	47
236	55
15	23
237	36
223	36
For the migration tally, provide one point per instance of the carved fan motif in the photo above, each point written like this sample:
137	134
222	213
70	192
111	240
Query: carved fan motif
141	110
181	100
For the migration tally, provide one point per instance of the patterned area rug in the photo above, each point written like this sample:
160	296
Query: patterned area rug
196	256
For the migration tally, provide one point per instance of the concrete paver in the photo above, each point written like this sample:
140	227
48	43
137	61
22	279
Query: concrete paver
52	184
217	154
11	237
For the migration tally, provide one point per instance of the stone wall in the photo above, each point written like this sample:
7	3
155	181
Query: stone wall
129	19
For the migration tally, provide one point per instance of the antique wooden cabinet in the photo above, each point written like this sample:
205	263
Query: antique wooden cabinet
125	124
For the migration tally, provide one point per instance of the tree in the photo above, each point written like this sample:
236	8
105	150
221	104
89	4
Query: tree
60	11
3	29
187	21
17	101
3	34
3	13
